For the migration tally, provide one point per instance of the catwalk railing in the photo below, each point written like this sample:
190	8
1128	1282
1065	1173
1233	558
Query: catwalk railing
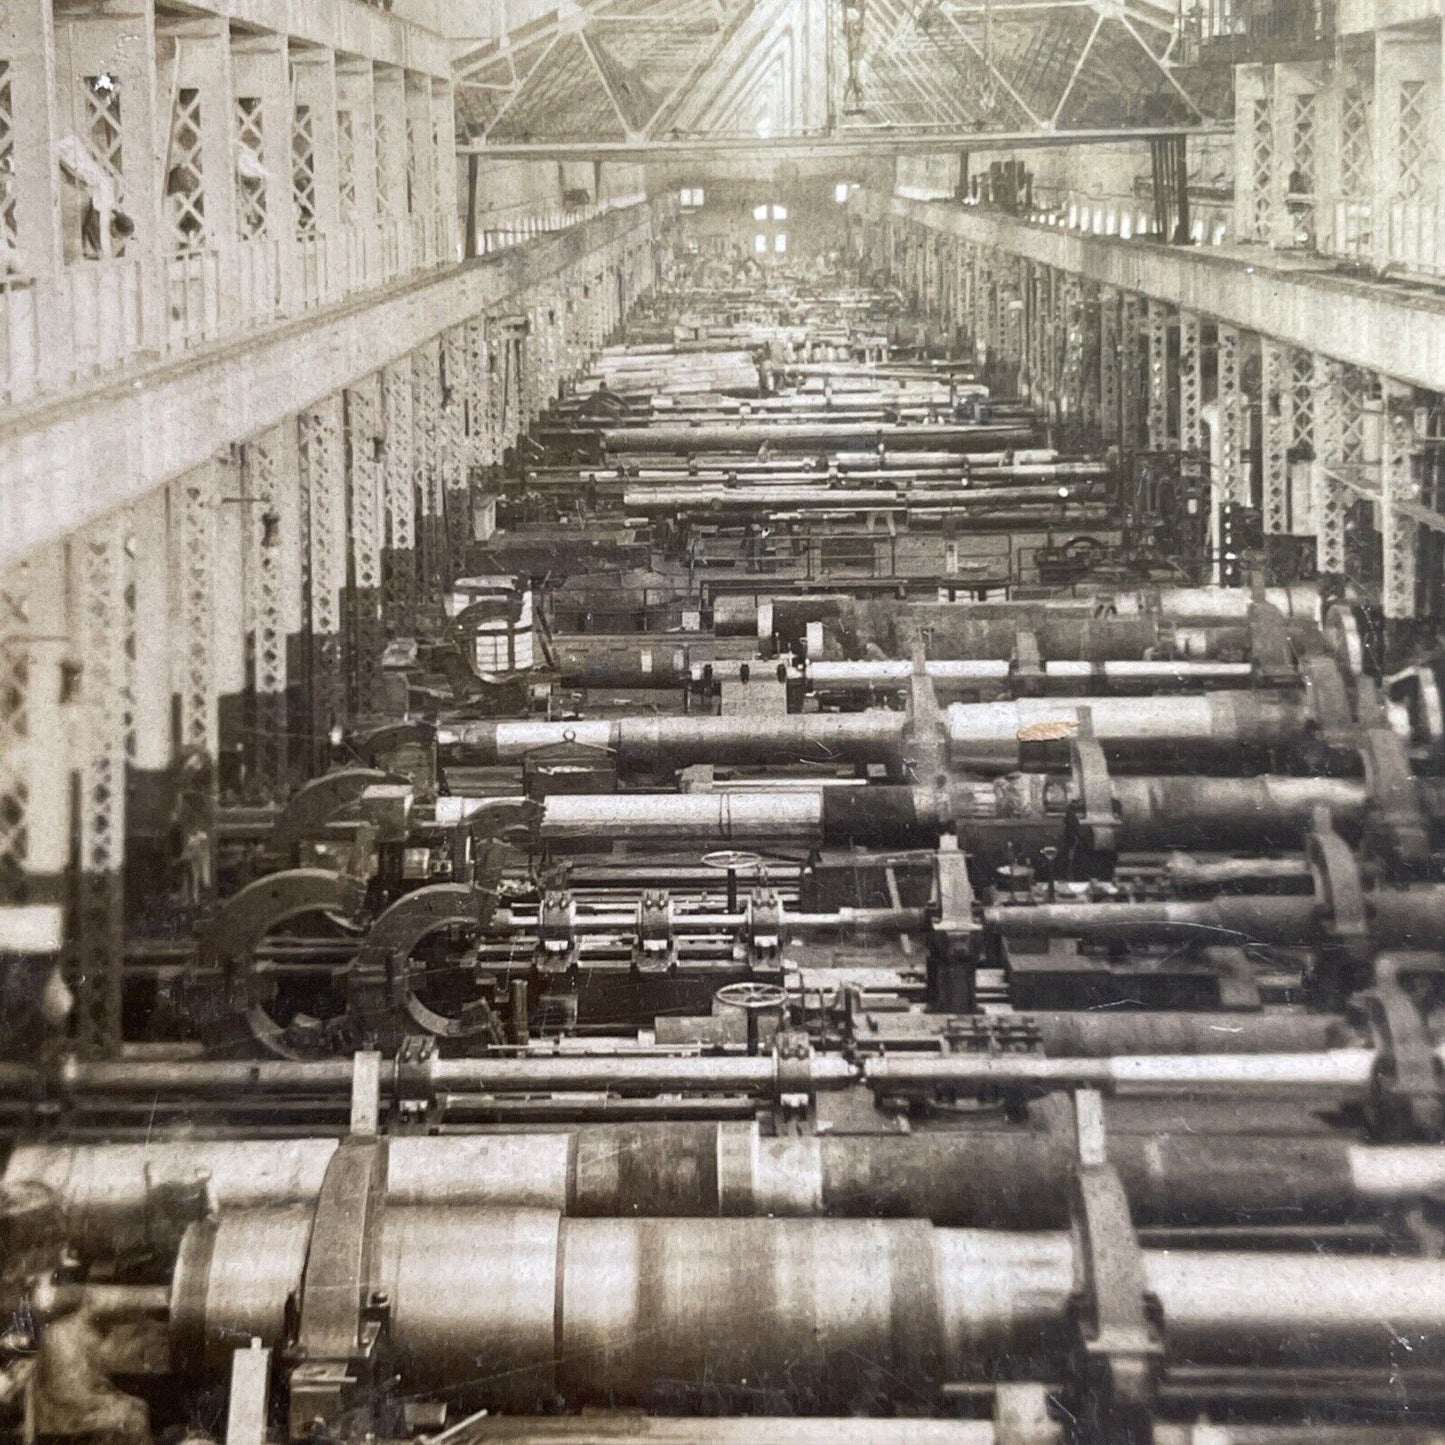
100	316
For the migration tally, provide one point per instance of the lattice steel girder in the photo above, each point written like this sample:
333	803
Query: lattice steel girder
1191	382
1398	531
452	447
1277	423
100	578
1327	491
1366	327
1228	480
32	224
270	466
324	491
1132	362
193	503
34	753
1157	363
313	88
196	57
71	461
1109	362
154	610
366	519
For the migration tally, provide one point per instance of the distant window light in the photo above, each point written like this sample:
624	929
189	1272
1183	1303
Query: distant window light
692	195
780	213
780	242
760	213
760	243
841	191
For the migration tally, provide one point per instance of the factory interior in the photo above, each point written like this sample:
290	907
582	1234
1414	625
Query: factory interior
722	722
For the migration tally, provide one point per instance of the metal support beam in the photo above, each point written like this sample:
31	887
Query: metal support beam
1158	376
1328	492
323	491
1399	531
1191	382
1277	422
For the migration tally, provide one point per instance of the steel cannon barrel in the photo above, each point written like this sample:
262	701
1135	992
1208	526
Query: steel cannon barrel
617	1310
1139	733
622	1072
1407	917
809	436
110	1196
1345	1072
705	497
1129	675
670	743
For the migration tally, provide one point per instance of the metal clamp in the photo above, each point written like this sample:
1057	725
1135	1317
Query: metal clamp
1093	821
342	1319
1119	1323
1344	920
1405	1101
656	947
1395	826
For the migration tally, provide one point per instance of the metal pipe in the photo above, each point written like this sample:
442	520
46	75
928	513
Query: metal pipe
647	501
511	1308
1136	732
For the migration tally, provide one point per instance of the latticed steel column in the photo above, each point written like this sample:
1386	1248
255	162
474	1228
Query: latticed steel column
1326	489
270	468
399	570
323	488
1231	417
426	459
364	466
1191	382
1072	380
34	757
1110	358
154	647
1157	363
452	450
193	566
1277	424
100	578
476	386
1399	532
1131	369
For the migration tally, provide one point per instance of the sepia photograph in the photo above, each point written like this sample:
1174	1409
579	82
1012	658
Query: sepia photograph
722	722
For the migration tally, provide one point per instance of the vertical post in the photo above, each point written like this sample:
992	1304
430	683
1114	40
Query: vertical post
314	168
364	466
1230	449
389	137
1276	421
1109	363
1131	339
1399	532
153	645
193	566
1191	382
1158	376
324	489
99	580
271	464
426	423
399	573
1327	492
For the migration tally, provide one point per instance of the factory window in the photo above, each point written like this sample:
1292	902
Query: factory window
780	242
760	243
760	213
780	213
840	192
692	195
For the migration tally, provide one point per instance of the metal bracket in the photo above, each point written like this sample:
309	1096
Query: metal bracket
1395	827
1093	821
1118	1321
342	1319
954	938
1406	1097
1026	667
1344	920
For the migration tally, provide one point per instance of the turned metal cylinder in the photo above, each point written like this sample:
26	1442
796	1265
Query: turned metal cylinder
512	1308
